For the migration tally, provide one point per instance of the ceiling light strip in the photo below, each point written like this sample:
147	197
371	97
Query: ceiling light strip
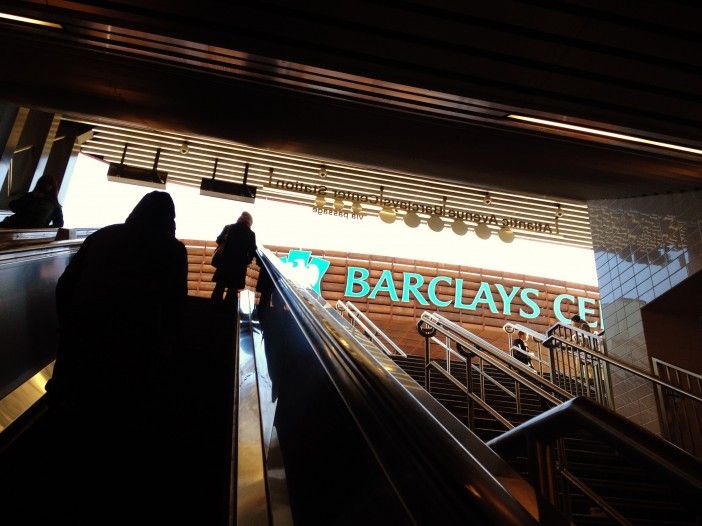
33	21
604	133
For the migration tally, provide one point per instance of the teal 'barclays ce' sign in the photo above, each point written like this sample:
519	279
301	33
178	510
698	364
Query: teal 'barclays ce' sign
358	286
310	270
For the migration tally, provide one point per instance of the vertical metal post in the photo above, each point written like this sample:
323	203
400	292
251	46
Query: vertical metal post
599	395
427	354
542	469
552	364
426	332
469	386
572	372
517	397
427	350
448	355
541	358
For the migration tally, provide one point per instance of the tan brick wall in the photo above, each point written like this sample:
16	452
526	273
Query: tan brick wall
398	320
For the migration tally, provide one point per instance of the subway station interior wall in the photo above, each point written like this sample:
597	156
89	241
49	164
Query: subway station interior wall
644	246
398	319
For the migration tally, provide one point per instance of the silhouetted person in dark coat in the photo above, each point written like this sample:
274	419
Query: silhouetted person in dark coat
238	251
36	209
119	303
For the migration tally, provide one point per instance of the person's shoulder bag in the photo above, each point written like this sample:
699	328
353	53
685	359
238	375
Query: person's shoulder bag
219	251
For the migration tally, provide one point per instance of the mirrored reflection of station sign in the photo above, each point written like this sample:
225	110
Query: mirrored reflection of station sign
333	201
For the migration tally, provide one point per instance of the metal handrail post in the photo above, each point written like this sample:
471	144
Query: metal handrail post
552	364
469	385
427	332
662	409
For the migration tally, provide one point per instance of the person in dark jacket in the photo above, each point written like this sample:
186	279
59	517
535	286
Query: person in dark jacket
119	305
520	350
238	245
36	209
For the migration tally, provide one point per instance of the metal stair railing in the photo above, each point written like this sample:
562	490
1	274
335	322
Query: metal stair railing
369	329
562	340
577	369
681	416
475	353
542	440
579	364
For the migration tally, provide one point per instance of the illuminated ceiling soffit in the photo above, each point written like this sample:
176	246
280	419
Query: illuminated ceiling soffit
567	221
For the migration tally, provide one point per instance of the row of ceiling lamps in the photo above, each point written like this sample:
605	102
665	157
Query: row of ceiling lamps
243	192
412	219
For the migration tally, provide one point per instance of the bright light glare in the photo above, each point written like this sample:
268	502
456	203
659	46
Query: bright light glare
92	201
595	131
34	21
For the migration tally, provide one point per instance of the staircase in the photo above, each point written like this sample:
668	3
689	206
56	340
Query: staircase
628	490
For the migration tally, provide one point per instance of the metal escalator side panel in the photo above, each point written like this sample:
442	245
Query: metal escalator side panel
432	473
249	452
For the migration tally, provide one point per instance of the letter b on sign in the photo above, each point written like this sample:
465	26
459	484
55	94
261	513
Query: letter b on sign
357	276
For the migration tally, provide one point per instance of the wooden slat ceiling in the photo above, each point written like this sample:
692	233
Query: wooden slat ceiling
109	140
422	87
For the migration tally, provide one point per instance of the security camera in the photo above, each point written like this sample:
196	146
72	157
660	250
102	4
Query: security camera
487	199
184	148
559	211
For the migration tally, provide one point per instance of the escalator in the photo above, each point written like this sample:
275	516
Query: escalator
357	439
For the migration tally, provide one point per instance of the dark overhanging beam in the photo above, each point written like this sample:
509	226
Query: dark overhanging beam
183	101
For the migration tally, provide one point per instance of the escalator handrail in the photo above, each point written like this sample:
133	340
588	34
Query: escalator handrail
20	252
635	443
457	475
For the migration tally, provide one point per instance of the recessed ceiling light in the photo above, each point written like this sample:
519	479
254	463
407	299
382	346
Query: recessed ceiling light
435	223
387	214
459	227
604	133
506	234
482	231
412	219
